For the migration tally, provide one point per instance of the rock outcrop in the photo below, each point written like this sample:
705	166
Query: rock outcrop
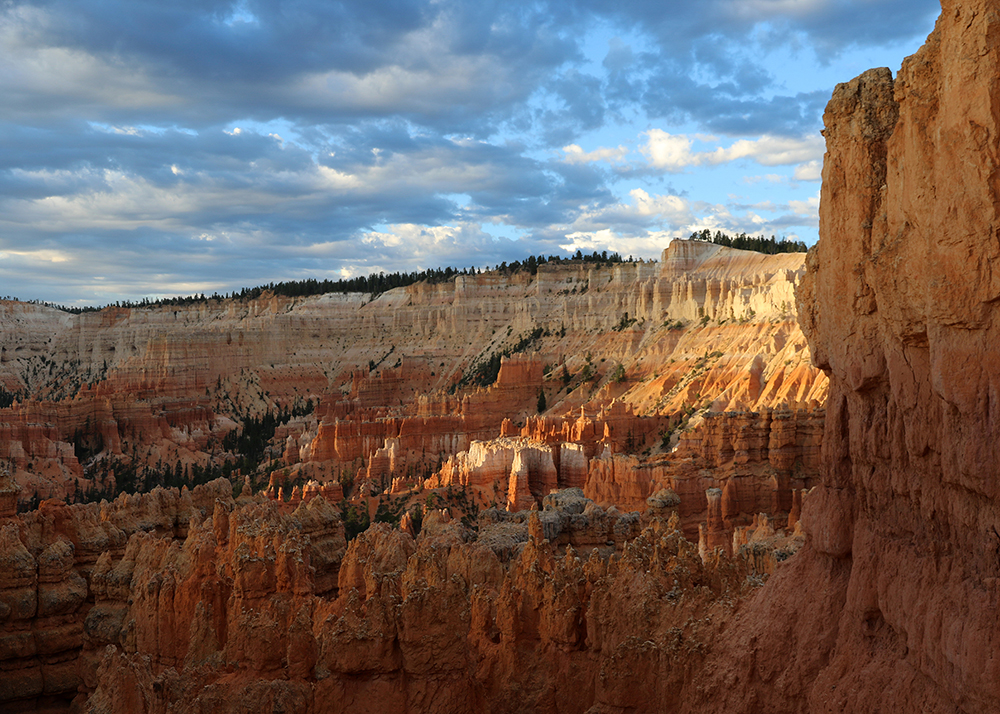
198	601
431	625
900	305
642	342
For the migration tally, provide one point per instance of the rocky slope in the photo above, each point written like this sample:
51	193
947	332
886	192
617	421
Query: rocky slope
202	602
708	327
632	359
900	306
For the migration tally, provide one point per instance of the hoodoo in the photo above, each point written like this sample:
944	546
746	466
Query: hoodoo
556	599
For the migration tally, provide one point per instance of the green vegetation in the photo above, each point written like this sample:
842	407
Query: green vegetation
390	511
356	520
485	370
247	447
759	244
249	443
374	283
8	398
542	404
625	322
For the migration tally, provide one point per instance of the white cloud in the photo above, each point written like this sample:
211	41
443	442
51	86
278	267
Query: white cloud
769	151
642	211
673	152
769	178
809	171
432	246
42	256
576	155
670	152
667	206
808	208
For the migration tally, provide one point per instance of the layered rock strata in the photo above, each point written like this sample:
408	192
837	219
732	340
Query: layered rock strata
708	326
900	304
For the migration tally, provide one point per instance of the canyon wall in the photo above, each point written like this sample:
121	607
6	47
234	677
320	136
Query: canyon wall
707	327
891	606
631	359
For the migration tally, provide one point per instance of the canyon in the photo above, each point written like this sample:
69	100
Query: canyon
682	420
712	509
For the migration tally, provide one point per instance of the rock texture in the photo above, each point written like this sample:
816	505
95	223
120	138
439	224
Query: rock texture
49	558
196	601
890	606
900	306
432	625
705	327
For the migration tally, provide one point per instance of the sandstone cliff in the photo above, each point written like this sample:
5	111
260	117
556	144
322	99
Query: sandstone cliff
900	307
707	327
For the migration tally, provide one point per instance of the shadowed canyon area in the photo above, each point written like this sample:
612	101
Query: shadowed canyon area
719	482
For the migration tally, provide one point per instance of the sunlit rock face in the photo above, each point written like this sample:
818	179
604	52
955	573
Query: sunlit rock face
663	383
891	605
627	348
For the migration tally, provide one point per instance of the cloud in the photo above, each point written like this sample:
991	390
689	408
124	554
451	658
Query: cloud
769	151
217	144
673	153
769	178
808	208
809	171
668	151
576	155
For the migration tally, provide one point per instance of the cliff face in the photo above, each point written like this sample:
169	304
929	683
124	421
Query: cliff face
900	308
912	430
707	326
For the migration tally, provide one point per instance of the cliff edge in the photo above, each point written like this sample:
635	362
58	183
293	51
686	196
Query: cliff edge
891	606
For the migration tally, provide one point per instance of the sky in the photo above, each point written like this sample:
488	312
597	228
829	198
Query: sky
152	148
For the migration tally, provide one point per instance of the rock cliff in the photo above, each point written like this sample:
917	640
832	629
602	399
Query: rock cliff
707	327
900	308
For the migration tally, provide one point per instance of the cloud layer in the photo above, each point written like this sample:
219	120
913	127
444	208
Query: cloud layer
162	148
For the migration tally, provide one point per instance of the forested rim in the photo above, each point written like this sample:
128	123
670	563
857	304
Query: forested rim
378	283
374	284
757	244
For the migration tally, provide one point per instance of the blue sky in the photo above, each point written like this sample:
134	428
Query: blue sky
153	148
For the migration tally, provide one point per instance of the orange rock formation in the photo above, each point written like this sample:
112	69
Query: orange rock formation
900	306
202	602
708	327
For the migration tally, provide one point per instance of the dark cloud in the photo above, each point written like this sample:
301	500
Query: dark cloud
149	146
